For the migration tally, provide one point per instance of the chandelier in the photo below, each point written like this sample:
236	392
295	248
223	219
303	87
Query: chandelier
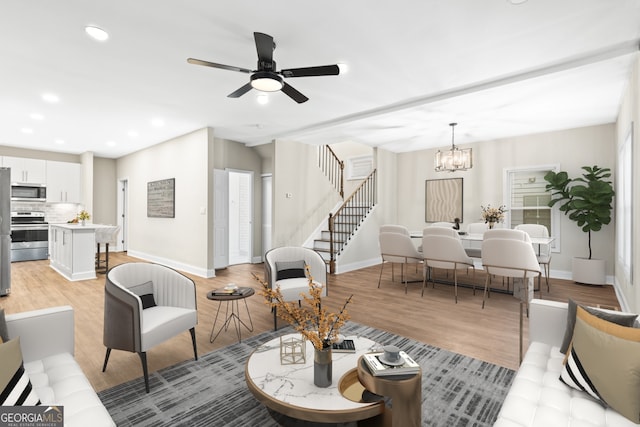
454	159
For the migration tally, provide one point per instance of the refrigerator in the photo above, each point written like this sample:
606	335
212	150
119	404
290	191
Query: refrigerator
5	231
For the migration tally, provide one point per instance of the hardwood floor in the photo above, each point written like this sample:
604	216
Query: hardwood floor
490	334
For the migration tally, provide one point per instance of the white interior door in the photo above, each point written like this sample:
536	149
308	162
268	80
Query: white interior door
220	219
123	213
267	185
240	216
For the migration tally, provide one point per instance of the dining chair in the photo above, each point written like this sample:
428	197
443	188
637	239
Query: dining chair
441	231
394	228
474	247
398	248
442	224
506	233
544	251
509	258
445	252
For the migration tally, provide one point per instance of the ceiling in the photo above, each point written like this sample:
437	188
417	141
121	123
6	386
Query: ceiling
496	68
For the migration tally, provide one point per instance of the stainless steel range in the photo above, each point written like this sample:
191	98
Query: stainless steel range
29	236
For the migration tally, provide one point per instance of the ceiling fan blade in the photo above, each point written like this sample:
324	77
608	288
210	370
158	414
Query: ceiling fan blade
323	70
294	94
239	92
214	65
265	47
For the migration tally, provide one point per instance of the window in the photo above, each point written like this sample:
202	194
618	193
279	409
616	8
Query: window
528	200
624	201
359	167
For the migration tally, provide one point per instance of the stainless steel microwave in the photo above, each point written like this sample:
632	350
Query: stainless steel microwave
29	192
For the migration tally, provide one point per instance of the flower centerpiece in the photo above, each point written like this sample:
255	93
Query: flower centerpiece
312	320
83	216
493	215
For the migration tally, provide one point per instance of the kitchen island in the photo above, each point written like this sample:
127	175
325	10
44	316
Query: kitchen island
73	249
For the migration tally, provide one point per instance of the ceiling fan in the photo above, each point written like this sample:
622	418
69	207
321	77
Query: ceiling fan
267	78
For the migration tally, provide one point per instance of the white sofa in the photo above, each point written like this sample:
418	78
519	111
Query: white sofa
537	398
47	344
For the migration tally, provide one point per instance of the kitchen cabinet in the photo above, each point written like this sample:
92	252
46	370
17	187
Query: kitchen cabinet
63	182
23	170
73	249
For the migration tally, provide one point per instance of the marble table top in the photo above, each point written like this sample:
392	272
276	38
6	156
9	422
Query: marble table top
293	384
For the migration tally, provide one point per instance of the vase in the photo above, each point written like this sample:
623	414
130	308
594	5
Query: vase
491	224
83	221
322	367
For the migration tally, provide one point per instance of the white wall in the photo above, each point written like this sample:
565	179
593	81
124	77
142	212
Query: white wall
181	242
295	172
483	184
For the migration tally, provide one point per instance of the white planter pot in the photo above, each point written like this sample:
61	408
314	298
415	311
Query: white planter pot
589	271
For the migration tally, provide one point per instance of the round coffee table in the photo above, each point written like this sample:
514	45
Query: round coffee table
289	389
231	299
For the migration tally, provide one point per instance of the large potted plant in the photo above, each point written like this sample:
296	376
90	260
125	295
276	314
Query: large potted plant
587	200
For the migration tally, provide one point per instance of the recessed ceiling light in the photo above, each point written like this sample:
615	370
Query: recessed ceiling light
59	141
111	143
157	122
263	99
132	134
96	33
36	116
27	130
51	98
517	1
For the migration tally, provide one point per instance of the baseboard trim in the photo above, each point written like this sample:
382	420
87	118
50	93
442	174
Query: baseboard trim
201	272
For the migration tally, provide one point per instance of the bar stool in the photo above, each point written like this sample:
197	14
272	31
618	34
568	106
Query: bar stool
105	235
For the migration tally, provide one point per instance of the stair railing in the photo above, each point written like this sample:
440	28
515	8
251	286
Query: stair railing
332	167
344	221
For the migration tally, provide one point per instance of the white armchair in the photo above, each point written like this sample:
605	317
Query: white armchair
282	270
146	304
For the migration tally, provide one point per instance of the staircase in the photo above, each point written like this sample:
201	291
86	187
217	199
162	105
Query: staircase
343	223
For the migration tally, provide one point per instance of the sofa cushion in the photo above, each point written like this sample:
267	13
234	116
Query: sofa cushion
537	397
604	361
290	269
59	380
624	319
15	385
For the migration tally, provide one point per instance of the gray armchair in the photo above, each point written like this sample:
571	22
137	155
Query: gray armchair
146	304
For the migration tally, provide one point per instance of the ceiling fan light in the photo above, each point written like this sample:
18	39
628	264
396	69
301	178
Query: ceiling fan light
266	81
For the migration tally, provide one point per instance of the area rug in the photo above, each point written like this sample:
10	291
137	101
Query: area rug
456	390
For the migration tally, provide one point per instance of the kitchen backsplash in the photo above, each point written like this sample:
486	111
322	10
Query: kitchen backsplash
54	212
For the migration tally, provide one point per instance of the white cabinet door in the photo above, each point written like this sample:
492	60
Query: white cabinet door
63	182
32	171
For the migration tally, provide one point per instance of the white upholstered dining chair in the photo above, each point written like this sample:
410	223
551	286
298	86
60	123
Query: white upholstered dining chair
509	258
394	228
544	251
398	248
445	252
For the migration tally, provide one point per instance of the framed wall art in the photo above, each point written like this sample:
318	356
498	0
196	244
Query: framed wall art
161	198
443	200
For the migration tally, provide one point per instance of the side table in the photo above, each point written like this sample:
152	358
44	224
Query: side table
405	392
231	299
